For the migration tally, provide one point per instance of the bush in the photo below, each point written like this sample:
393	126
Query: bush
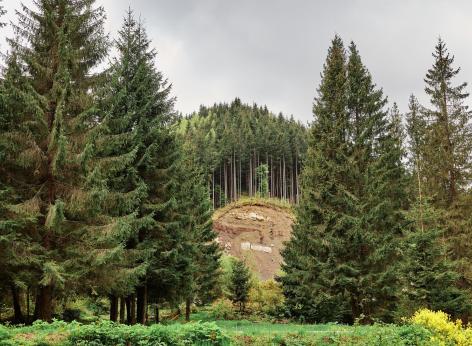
444	331
266	298
110	334
222	309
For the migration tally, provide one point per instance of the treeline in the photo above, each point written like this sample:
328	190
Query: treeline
242	148
97	195
383	226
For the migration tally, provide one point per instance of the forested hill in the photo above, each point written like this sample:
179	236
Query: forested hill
246	150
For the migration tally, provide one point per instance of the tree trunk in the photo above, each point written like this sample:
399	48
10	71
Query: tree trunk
141	293
133	309
44	304
113	308
128	310
18	314
188	304
122	310
156	313
28	304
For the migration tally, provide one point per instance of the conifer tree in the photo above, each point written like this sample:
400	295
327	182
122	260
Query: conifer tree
449	142
199	253
430	275
118	143
140	109
447	155
51	76
326	205
339	263
240	283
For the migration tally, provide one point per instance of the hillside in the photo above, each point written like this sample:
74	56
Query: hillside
255	230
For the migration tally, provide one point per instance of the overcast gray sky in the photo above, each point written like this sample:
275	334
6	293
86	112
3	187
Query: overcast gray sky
272	51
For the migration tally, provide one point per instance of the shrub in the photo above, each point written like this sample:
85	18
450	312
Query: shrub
266	298
222	309
444	330
108	333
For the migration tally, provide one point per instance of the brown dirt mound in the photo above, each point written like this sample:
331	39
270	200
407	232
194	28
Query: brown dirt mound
255	233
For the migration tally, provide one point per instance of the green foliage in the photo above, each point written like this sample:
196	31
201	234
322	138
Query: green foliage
222	309
266	298
430	274
229	143
340	264
109	334
240	283
262	173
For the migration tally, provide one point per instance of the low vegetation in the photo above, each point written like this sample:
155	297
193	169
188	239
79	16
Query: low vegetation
424	328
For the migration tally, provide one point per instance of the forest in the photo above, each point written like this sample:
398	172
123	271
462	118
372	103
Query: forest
108	193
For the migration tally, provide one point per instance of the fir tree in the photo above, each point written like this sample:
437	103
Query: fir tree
430	275
446	154
50	82
141	110
326	205
240	283
449	142
118	143
340	262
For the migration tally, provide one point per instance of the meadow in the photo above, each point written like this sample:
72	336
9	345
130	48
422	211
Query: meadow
425	328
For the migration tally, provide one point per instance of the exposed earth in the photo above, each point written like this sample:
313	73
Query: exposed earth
255	233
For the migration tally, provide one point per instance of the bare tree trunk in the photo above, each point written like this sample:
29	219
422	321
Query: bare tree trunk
226	181
28	304
44	304
188	304
113	308
122	310
156	313
213	188
133	309
250	175
141	293
18	314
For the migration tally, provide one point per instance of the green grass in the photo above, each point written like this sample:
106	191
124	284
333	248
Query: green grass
244	327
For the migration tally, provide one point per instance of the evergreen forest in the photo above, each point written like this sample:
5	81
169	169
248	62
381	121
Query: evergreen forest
108	195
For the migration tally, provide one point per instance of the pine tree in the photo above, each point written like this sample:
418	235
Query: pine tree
339	263
122	101
199	252
430	275
49	79
240	283
449	141
141	111
447	156
326	205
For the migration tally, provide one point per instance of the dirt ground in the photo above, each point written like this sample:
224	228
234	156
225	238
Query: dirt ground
256	234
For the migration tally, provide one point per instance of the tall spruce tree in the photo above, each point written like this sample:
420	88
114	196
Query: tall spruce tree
49	79
123	100
339	263
449	139
325	211
447	156
141	108
430	276
200	253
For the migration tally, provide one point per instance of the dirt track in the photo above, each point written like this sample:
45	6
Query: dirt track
255	233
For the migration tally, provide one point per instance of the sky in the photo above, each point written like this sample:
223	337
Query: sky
272	51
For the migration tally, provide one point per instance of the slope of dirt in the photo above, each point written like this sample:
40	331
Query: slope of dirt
255	233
